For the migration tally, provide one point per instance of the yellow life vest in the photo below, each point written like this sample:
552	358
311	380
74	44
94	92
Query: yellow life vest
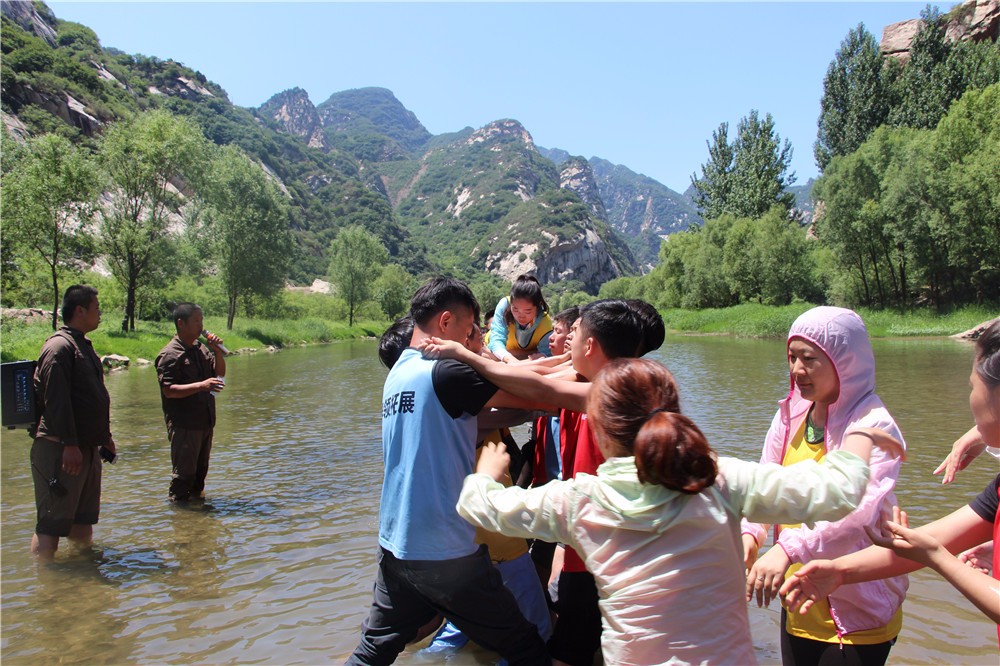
544	326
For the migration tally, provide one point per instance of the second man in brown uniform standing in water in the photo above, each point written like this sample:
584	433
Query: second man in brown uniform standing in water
190	374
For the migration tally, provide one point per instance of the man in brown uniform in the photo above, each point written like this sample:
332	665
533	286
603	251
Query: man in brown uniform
74	421
190	375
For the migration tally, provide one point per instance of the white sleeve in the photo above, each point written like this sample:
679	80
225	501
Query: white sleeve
801	493
539	513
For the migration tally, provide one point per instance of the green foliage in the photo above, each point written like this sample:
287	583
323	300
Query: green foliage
761	321
855	97
49	193
248	223
749	176
912	214
374	112
357	261
768	260
392	290
141	156
23	341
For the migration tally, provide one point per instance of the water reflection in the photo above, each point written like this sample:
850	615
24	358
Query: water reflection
280	570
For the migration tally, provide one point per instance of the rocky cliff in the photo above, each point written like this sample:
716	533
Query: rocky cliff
973	20
295	114
491	200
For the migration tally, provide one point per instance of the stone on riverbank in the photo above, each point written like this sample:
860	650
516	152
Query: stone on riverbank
974	332
113	362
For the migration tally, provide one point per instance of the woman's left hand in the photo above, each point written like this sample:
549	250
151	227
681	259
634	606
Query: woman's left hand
767	575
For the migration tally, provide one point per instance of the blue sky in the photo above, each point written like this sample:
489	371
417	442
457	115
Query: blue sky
639	84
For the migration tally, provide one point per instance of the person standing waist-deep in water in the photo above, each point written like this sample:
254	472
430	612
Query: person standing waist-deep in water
190	374
74	421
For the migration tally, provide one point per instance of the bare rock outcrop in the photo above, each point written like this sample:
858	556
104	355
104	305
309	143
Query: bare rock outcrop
973	20
577	176
583	257
25	14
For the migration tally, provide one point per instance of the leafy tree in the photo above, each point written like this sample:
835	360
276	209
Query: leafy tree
963	190
749	176
690	274
768	259
854	98
143	156
760	168
357	260
938	72
393	289
248	224
49	195
714	189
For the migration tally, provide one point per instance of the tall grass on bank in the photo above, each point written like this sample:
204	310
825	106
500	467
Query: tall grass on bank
20	341
751	320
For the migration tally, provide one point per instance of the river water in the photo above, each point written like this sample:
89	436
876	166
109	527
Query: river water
280	571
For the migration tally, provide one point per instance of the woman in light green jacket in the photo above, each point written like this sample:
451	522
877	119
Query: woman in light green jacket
659	526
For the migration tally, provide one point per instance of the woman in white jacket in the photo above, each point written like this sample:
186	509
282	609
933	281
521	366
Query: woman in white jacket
659	526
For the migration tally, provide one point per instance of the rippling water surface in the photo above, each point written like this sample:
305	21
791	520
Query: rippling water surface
280	570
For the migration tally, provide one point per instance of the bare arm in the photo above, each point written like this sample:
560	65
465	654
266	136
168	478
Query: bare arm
517	381
958	531
981	589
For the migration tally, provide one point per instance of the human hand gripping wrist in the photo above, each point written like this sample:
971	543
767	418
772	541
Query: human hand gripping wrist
750	549
494	461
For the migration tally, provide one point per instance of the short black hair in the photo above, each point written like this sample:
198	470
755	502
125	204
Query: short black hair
615	325
184	311
439	294
395	339
567	316
81	295
653	330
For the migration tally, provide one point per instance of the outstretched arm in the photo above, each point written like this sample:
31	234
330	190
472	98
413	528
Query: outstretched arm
515	380
979	588
965	449
958	531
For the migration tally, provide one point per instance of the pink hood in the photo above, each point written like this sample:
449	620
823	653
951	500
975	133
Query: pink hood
841	334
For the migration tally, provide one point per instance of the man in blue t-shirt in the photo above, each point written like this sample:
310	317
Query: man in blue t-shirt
428	563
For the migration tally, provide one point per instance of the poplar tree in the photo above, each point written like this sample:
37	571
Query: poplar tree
749	176
143	157
855	97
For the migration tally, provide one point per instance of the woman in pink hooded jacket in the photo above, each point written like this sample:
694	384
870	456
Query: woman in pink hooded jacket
832	394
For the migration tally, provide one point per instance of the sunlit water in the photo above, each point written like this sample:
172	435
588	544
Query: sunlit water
280	571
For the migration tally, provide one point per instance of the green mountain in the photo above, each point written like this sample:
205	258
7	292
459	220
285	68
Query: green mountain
488	199
56	77
463	202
